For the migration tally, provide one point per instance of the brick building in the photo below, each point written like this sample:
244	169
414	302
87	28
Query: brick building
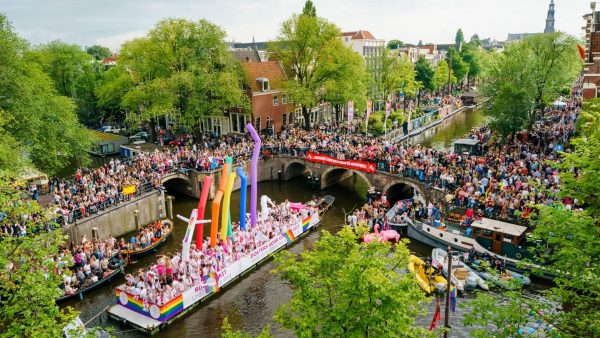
591	68
271	107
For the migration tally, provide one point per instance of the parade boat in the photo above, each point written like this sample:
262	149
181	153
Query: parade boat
150	317
167	229
117	264
487	236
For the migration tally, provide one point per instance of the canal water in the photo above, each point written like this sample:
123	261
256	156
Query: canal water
250	303
442	136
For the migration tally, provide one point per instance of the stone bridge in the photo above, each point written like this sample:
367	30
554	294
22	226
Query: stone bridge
285	168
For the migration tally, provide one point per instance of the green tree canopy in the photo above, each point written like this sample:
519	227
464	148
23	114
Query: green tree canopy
539	67
459	38
460	68
395	44
346	289
425	74
28	284
37	124
440	77
180	68
309	9
74	73
98	52
395	74
313	55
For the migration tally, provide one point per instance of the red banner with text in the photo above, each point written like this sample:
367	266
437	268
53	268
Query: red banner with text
348	164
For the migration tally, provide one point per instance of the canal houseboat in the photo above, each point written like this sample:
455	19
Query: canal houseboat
496	238
151	318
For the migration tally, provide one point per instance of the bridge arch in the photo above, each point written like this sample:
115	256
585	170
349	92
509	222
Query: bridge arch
296	168
334	175
179	183
399	189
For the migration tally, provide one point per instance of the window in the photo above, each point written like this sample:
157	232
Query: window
283	99
275	100
284	118
257	124
265	85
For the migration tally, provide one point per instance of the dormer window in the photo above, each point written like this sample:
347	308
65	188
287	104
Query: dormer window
264	83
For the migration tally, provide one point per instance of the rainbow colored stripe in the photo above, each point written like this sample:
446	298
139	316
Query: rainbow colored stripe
168	310
289	236
306	223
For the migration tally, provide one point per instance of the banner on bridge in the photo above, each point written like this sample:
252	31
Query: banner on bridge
368	167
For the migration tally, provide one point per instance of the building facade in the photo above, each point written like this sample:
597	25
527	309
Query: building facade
591	68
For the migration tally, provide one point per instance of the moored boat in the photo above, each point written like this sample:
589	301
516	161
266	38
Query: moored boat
489	236
135	254
117	264
427	281
462	276
502	278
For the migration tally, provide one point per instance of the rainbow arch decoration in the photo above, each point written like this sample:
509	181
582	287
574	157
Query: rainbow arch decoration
161	313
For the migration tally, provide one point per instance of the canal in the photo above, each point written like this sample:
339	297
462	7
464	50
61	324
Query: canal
442	136
250	303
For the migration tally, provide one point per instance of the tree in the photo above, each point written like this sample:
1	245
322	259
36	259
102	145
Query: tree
180	68
38	126
460	69
393	75
420	43
346	289
395	44
459	38
475	40
28	284
311	52
425	74
98	52
472	55
539	67
74	74
349	80
440	77
309	9
228	332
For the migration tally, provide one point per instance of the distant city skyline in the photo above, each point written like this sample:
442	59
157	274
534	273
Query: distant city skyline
111	22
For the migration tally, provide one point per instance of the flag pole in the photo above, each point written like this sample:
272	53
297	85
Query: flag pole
448	286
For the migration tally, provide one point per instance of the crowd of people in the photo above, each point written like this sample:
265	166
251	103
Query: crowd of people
498	182
91	261
146	236
172	275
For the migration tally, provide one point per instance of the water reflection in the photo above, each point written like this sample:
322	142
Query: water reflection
444	134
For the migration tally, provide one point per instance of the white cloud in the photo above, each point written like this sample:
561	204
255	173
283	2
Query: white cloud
111	22
114	41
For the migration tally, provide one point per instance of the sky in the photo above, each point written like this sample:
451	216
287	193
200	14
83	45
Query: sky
111	22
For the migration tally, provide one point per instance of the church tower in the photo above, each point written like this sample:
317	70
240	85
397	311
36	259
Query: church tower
550	18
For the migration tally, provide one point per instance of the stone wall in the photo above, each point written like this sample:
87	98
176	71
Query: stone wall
119	220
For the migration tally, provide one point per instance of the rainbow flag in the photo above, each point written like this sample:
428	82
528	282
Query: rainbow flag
306	223
215	287
289	236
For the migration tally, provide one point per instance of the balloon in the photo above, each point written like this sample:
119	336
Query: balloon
224	174
243	190
229	160
253	173
216	203
201	209
225	209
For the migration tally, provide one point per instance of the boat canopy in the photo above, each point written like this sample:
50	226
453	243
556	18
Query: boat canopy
499	226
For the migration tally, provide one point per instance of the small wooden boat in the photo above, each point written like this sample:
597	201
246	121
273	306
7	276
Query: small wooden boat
116	265
167	228
428	282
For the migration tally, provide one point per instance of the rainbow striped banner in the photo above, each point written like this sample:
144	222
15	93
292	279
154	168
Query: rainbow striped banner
306	223
289	236
160	313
